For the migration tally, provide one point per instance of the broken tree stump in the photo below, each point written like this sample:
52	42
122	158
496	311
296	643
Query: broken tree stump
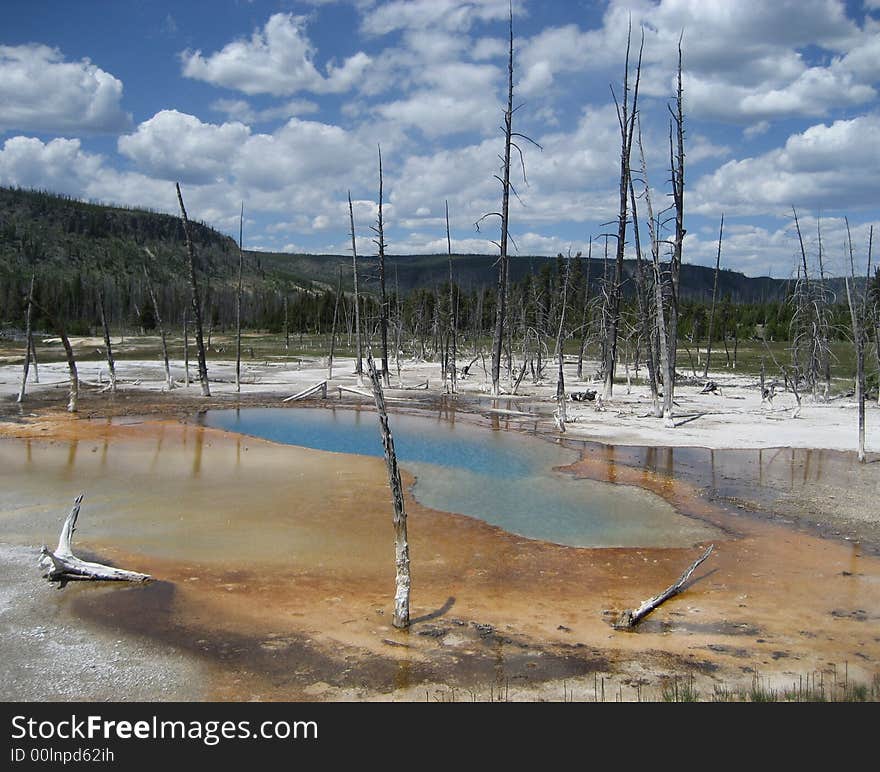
629	619
63	566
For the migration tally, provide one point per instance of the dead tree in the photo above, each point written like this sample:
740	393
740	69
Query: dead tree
28	341
676	158
398	322
666	282
56	323
626	119
504	215
661	285
168	378
860	322
359	367
585	320
185	349
194	290
714	298
333	330
561	416
33	350
286	323
810	351
451	366
646	327
238	300
63	566
631	618
824	317
400	618
111	365
383	298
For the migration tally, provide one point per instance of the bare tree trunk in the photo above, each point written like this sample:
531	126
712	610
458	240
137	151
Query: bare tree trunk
33	350
238	300
561	416
401	545
28	341
68	352
333	331
196	305
383	299
859	319
399	330
677	168
359	367
644	305
714	296
501	305
185	349
286	323
586	315
826	348
626	120
667	373
453	369
111	365
168	379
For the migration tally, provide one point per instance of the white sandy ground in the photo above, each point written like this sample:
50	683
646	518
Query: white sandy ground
49	655
737	418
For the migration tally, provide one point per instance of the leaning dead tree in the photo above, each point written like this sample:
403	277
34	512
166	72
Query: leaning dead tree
626	118
63	566
401	545
28	341
359	367
632	617
169	380
195	302
860	319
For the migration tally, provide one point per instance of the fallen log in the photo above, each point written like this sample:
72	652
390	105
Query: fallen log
629	619
322	387
63	566
353	391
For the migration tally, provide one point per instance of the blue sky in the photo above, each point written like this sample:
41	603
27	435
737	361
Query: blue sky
283	104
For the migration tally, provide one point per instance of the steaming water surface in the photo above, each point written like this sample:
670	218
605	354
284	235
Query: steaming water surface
502	478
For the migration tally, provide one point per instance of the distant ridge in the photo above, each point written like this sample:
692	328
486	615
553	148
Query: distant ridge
48	232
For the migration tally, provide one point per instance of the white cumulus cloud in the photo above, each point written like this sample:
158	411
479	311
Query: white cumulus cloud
825	166
278	60
39	91
177	146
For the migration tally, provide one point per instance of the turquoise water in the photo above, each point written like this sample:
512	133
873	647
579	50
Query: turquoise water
500	477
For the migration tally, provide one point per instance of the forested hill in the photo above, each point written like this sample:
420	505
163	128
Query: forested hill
72	246
474	272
